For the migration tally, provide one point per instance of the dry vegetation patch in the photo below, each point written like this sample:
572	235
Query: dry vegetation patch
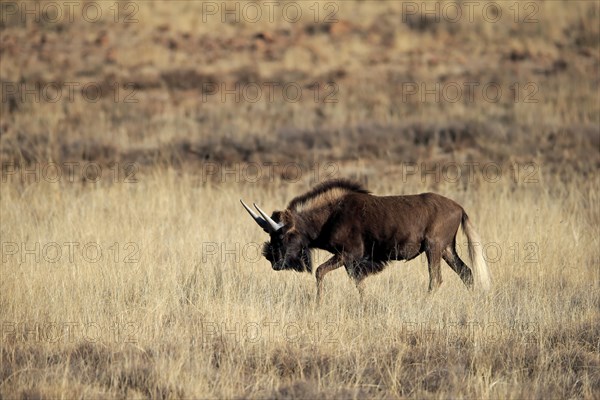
180	92
197	312
147	280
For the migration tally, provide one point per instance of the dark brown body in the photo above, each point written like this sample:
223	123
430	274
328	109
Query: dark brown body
373	230
364	232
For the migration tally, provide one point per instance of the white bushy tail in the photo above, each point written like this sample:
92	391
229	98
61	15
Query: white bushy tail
480	268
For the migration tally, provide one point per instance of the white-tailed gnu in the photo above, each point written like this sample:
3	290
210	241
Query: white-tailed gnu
364	232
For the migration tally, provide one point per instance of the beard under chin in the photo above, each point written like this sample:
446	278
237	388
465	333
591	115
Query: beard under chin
278	266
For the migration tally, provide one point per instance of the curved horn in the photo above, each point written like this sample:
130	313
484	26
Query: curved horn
260	221
274	225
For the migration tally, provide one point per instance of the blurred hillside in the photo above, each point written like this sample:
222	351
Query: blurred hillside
180	83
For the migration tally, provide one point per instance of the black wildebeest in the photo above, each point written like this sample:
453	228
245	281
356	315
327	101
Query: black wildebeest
364	232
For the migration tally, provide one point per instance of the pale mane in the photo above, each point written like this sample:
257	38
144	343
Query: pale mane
325	193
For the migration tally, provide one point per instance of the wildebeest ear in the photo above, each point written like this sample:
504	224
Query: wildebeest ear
276	216
286	217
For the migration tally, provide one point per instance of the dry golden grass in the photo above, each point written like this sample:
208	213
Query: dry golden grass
371	53
180	304
200	314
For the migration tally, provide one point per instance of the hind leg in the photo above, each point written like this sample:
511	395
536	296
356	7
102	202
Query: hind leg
451	257
435	271
358	273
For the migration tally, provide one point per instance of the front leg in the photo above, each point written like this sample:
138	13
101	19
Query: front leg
360	285
333	263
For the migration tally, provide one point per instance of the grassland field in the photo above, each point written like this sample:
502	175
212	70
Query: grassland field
130	270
